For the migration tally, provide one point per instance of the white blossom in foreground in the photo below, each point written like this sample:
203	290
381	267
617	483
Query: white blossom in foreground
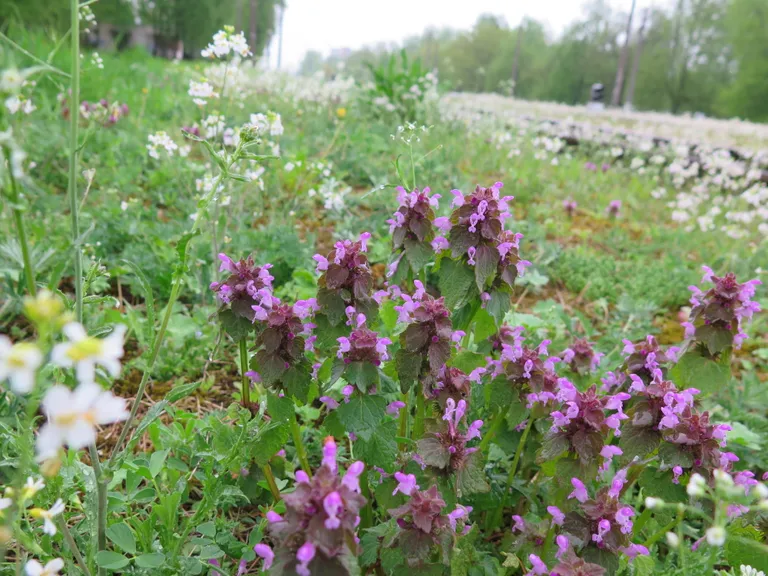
749	571
226	42
31	487
48	515
74	415
18	363
4	504
201	92
84	352
160	140
52	568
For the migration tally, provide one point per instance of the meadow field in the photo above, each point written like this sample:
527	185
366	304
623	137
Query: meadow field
258	323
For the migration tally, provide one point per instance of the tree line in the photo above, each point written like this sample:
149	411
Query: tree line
697	56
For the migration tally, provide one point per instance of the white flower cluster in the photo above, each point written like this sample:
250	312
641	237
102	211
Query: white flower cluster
330	191
226	42
12	84
97	61
201	92
161	140
302	90
409	133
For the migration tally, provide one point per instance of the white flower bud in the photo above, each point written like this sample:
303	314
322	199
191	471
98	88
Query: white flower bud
716	536
723	479
651	502
760	491
697	486
673	540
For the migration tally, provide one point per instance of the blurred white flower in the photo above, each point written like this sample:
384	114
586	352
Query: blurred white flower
74	415
715	536
48	515
84	352
31	487
18	364
749	571
52	568
160	140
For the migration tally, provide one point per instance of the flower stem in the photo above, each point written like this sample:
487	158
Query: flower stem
681	537
496	517
74	118
403	428
498	420
73	546
300	451
101	501
246	391
271	482
418	423
29	273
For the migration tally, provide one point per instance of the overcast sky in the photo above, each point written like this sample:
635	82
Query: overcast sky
326	24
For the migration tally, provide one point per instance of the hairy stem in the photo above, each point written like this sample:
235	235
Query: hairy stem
21	234
418	423
73	546
300	451
498	420
496	516
267	469
246	382
101	500
74	118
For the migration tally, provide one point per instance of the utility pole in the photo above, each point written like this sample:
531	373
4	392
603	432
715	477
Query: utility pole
516	61
636	62
619	84
280	36
254	6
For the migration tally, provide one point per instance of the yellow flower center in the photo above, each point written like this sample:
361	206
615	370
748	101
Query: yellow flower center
85	348
68	419
18	357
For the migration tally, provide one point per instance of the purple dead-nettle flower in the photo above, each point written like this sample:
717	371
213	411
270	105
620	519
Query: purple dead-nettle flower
426	342
694	439
447	448
718	315
246	286
677	471
570	205
590	167
537	566
608	452
461	513
393	408
321	518
477	232
412	228
346	281
582	423
450	383
605	167
422	524
581	357
557	516
280	345
602	521
614	208
571	565
406	484
507	335
612	380
647	359
363	345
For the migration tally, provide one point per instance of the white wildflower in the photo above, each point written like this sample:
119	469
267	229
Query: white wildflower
84	352
289	167
749	571
11	80
48	515
97	61
52	568
673	540
18	364
715	536
123	205
74	415
651	502
276	127
13	104
697	486
201	92
160	140
31	487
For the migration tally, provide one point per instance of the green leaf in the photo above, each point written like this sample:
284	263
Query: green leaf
152	414
182	391
151	560
467	361
471	477
272	437
743	545
643	565
498	306
181	251
370	545
364	375
408	366
297	380
207	529
638	441
388	314
419	254
362	415
157	461
696	371
381	449
658	483
501	393
149	299
211	551
433	452
235	325
122	536
111	560
455	282
486	262
279	408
